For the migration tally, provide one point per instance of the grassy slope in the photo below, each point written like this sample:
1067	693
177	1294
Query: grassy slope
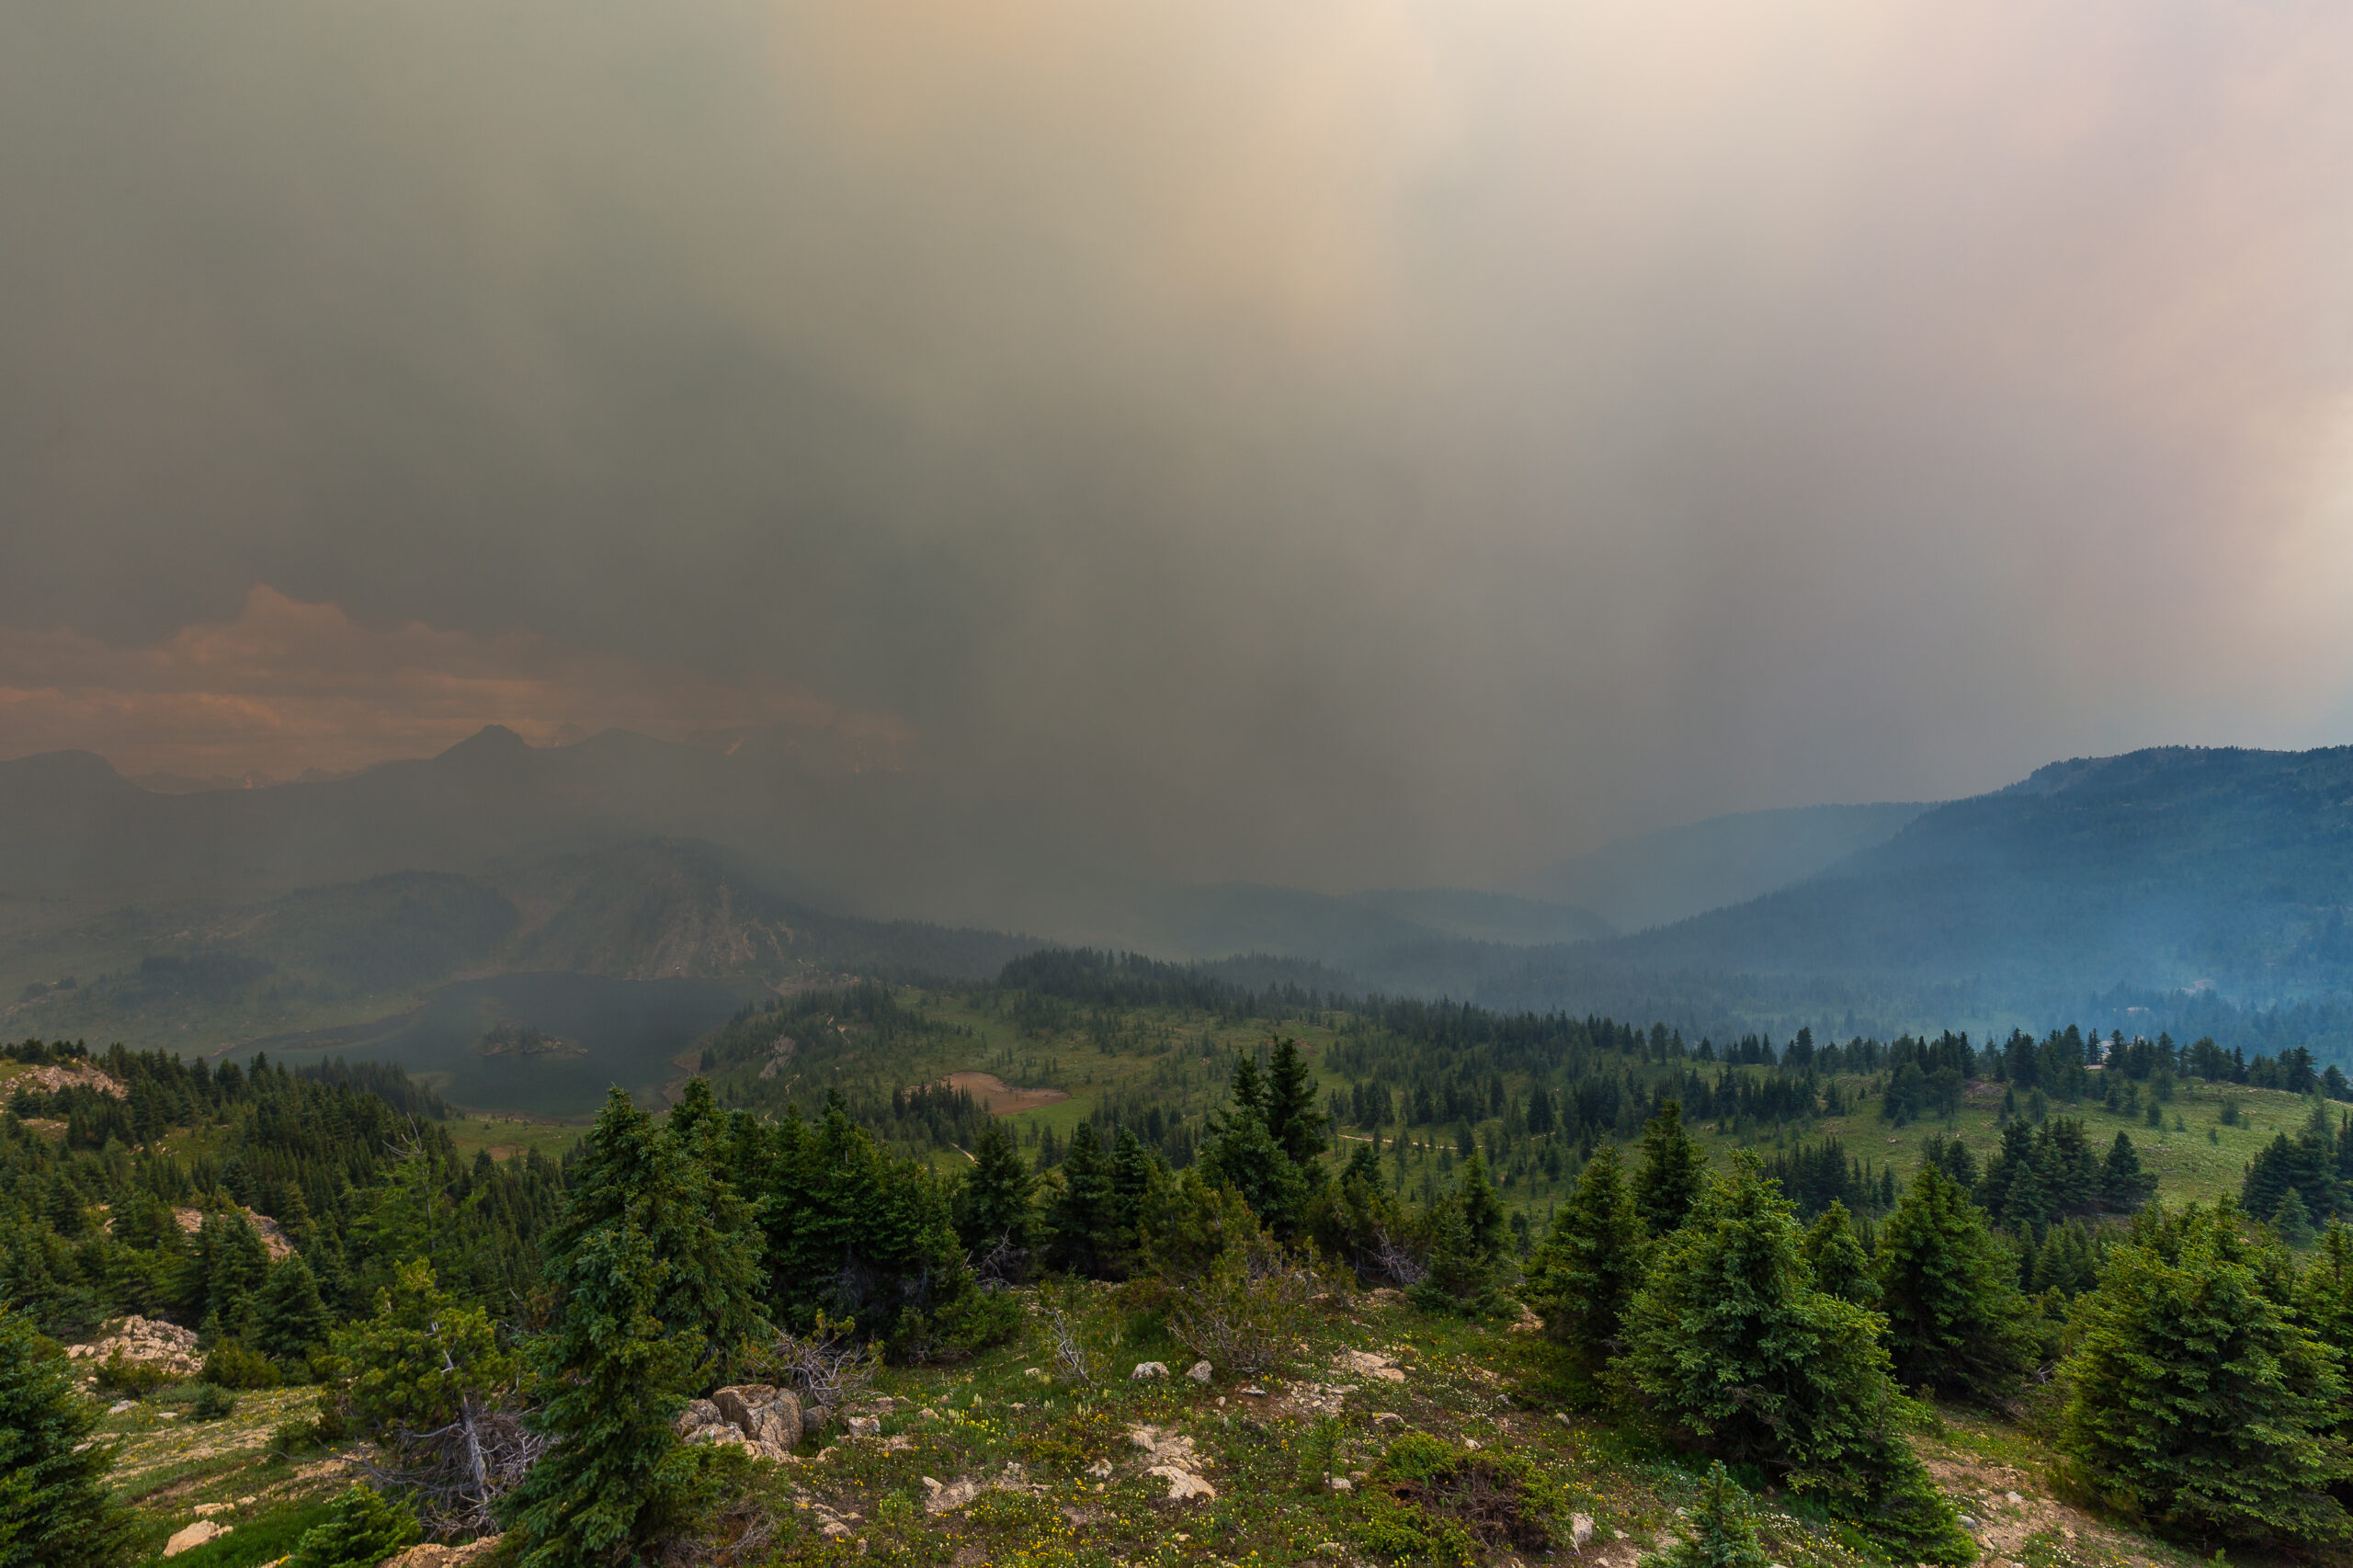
2189	1165
1268	1455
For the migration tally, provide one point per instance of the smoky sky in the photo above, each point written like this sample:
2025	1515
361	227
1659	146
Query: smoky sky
1340	443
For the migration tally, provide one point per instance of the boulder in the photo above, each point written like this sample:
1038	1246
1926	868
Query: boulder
1199	1371
196	1535
1148	1371
762	1412
698	1415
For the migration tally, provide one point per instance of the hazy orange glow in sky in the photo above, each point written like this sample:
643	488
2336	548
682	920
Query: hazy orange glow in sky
287	687
1351	443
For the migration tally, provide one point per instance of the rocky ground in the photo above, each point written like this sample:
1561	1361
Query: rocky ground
1020	1459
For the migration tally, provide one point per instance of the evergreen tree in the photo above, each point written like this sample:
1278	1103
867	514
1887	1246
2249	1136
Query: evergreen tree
2124	1187
616	1480
857	1235
700	1231
1590	1264
2325	1294
1082	1214
1674	1170
1482	1213
1956	1322
1739	1354
55	1510
1357	1219
1291	1117
995	1215
2194	1400
1720	1533
2293	1219
1242	1154
1835	1253
362	1528
290	1320
415	1362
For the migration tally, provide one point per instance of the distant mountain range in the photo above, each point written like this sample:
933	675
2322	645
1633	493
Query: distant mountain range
1674	874
2133	888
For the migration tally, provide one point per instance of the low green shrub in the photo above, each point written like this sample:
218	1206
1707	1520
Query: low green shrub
118	1374
1432	1500
363	1528
229	1365
211	1403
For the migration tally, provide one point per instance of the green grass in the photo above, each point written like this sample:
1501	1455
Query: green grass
265	1538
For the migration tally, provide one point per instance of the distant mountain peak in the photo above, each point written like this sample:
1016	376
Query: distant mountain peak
491	740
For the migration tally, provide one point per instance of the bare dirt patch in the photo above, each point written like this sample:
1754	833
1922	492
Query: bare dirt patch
2011	1507
1000	1098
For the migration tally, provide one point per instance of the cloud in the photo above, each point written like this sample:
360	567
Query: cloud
287	687
1341	442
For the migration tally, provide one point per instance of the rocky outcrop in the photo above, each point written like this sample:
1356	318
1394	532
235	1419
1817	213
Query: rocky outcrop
49	1080
1174	1460
762	1419
145	1342
273	1234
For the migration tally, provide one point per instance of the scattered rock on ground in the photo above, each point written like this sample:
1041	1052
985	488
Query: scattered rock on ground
1199	1371
1147	1370
1370	1364
432	1556
194	1536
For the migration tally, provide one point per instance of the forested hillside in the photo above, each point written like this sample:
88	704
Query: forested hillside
850	1257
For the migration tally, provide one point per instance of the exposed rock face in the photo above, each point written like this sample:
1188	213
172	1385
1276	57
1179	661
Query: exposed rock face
196	1535
145	1342
49	1080
273	1235
764	1420
762	1412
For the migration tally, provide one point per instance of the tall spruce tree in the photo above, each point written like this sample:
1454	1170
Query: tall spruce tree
995	1213
290	1320
1674	1170
2195	1400
1293	1117
652	1271
55	1509
1589	1265
1082	1214
1740	1355
1956	1322
616	1481
1835	1253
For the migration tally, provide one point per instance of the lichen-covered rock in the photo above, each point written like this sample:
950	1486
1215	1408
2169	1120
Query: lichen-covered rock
1147	1372
1199	1371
